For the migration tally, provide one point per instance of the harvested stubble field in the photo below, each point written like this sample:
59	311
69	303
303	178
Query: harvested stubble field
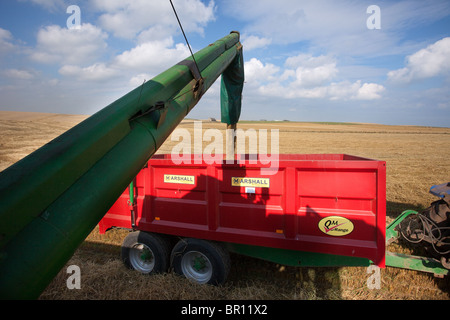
417	158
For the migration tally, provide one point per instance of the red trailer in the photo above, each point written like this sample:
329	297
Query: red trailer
315	210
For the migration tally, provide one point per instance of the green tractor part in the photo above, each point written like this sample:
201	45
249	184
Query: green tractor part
411	262
295	258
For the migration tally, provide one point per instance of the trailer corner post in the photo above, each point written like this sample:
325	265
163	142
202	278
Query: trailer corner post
231	142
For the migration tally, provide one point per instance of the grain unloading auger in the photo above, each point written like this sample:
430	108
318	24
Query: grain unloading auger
51	200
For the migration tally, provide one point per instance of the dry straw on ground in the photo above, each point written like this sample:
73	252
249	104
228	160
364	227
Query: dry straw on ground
417	158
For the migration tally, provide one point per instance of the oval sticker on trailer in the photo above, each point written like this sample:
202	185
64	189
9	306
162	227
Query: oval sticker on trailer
336	226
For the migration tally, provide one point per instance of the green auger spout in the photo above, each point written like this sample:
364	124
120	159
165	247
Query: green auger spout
51	200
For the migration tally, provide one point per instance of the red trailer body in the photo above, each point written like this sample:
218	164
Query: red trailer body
328	203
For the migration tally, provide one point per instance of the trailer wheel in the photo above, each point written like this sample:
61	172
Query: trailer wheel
201	261
147	253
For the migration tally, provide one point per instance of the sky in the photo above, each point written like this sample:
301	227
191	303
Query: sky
385	62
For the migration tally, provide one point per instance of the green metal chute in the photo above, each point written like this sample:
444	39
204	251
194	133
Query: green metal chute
51	200
232	86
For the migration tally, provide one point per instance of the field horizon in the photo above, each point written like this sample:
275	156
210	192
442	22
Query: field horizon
33	115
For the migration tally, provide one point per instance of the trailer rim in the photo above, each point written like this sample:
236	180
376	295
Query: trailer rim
147	253
196	266
142	258
201	261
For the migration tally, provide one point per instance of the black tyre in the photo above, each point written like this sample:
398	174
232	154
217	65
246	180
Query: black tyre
201	261
148	253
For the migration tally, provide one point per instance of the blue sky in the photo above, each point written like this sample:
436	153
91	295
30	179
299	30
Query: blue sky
304	60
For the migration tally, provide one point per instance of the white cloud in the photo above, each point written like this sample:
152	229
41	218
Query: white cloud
254	42
95	72
155	33
343	90
50	5
306	76
5	41
69	46
369	91
19	74
139	79
292	21
426	63
152	57
312	71
129	18
338	27
256	72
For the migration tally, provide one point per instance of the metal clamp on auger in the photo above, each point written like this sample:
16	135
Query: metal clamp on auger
199	89
162	107
159	106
